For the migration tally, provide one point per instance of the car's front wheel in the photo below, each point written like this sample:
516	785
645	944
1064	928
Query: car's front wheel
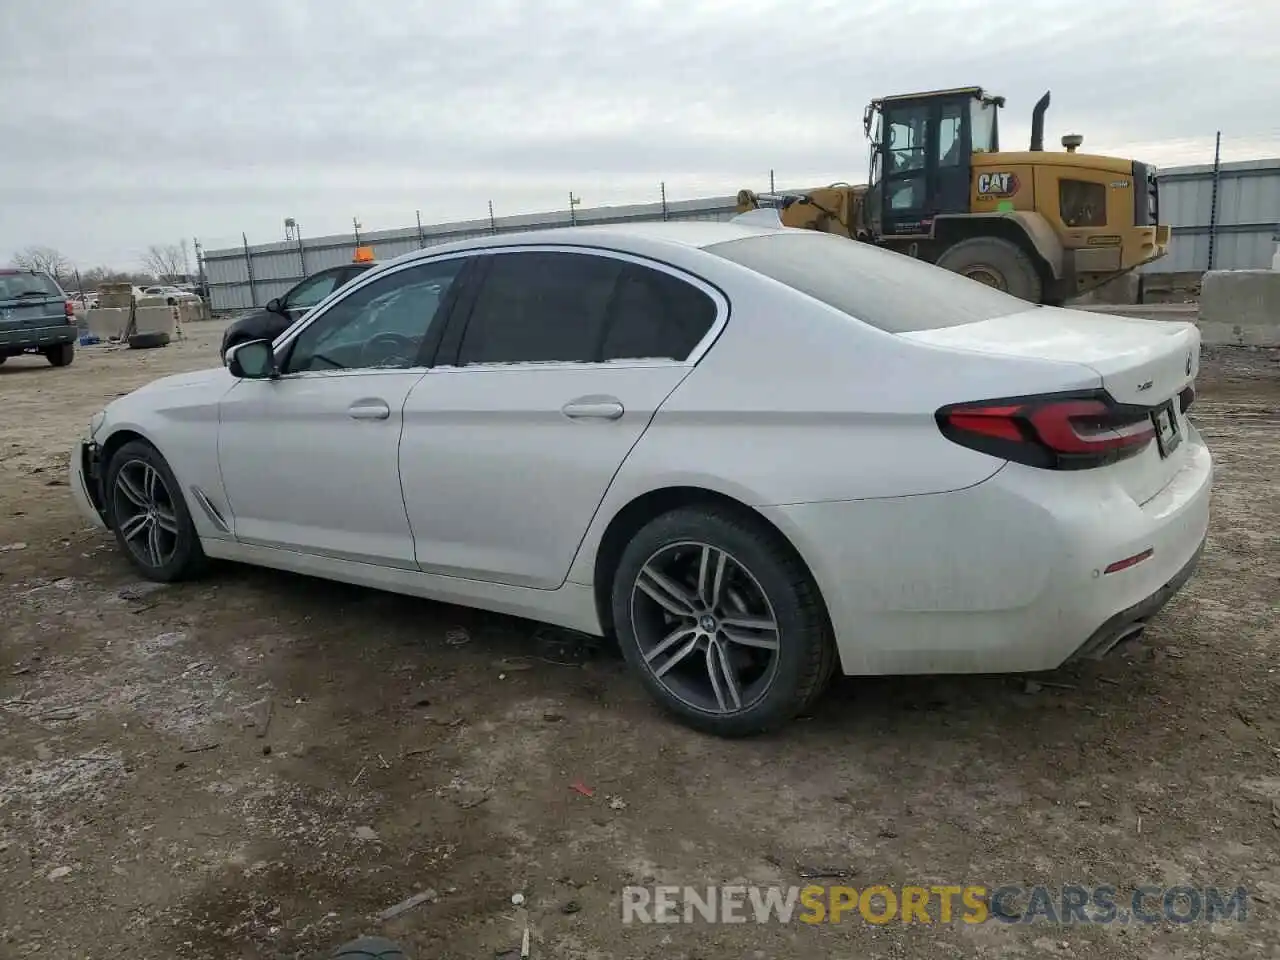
149	515
722	621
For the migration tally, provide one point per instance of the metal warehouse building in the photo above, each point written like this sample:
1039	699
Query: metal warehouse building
1225	219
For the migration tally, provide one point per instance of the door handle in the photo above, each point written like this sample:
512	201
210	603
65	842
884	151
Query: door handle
595	408
369	410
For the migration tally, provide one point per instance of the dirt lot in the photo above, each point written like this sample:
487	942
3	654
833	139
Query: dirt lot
257	764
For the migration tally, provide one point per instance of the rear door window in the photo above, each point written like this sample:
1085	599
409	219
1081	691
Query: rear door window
312	290
888	290
540	307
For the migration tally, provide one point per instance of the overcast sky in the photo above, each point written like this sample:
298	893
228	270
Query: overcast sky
130	122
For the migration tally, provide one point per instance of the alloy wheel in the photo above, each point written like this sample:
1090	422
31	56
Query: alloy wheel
145	514
705	627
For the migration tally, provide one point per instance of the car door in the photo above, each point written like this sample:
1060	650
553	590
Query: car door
309	460
562	357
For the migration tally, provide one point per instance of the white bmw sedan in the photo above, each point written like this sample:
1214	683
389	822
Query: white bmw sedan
756	454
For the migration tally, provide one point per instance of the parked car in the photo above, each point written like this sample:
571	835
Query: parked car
36	316
173	295
756	454
280	313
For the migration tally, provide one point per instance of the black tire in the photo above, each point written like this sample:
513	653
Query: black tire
179	550
144	341
997	263
61	355
369	948
799	668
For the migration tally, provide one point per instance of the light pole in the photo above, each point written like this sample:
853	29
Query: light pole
292	231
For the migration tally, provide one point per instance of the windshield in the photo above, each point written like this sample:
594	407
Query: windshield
888	290
27	285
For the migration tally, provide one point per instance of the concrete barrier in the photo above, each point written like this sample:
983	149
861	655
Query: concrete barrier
1241	307
159	319
191	310
107	322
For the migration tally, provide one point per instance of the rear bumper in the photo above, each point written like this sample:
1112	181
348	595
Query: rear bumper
15	339
1003	577
1125	623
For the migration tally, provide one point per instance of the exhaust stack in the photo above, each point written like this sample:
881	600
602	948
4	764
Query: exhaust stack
1037	123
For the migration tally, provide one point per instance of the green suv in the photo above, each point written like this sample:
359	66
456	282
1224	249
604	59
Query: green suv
35	317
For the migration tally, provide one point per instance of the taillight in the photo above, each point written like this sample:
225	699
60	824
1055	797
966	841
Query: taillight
70	308
1056	432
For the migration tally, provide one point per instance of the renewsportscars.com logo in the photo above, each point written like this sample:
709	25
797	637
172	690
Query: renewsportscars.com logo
934	904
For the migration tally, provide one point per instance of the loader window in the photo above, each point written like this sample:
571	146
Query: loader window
906	132
983	127
950	142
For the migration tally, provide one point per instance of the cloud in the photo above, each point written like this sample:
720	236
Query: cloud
162	120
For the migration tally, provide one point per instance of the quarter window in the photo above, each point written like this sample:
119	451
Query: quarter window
562	307
382	324
656	315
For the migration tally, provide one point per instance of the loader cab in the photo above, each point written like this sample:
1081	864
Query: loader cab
922	146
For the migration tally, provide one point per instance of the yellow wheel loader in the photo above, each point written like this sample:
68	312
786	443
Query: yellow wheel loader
1044	226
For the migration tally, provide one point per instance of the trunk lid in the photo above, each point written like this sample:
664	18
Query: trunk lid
1145	363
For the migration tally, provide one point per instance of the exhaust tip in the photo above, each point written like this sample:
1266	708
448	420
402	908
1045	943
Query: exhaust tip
1037	123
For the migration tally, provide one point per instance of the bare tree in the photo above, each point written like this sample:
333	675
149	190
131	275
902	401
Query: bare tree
167	261
95	277
46	259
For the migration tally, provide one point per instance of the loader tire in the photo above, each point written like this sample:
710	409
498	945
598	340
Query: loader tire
142	341
997	263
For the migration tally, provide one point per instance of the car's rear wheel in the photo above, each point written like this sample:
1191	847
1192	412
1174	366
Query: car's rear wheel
146	509
61	355
722	621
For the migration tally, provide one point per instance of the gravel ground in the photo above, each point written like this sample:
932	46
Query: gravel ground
256	765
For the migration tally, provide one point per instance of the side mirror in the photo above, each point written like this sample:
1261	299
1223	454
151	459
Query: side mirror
253	360
274	305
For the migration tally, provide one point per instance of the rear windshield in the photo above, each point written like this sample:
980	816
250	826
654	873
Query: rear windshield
26	286
888	290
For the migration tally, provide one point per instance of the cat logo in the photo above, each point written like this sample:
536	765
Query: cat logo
997	184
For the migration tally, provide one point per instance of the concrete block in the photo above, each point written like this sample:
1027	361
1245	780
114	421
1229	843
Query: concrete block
1241	307
159	319
106	322
152	301
191	310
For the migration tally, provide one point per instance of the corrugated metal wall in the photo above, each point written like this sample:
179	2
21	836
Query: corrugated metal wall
1247	219
278	266
1247	216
